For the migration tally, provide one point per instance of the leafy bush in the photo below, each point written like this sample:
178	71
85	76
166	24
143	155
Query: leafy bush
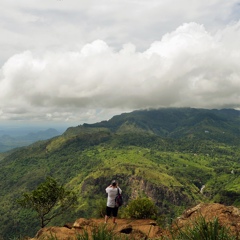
141	208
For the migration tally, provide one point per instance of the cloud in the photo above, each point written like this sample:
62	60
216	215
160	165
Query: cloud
186	67
53	25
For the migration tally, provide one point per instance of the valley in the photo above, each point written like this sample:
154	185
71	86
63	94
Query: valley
165	155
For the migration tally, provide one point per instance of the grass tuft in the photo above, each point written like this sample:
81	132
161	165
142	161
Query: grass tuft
202	230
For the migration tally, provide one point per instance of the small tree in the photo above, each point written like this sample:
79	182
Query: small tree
49	200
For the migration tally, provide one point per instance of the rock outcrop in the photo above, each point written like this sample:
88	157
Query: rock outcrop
135	229
228	216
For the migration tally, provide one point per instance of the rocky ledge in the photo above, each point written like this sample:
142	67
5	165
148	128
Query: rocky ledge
228	216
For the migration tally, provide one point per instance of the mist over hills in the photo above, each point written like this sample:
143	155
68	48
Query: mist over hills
165	154
8	139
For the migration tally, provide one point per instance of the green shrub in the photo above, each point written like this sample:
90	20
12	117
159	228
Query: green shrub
141	208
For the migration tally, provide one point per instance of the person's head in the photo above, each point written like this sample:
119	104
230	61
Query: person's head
114	183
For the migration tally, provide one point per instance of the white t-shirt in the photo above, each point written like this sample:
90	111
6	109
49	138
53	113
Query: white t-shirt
112	193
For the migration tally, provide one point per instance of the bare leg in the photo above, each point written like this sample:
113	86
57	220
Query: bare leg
114	219
106	218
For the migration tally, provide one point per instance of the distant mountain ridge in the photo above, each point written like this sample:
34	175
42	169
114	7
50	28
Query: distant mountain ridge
8	142
221	124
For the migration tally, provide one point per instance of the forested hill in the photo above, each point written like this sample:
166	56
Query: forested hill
167	155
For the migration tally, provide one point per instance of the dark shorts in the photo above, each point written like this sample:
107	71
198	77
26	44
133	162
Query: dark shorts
113	211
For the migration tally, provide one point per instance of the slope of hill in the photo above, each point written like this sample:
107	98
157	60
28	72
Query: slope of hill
166	154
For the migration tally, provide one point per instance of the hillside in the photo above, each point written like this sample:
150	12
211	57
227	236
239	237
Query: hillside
166	154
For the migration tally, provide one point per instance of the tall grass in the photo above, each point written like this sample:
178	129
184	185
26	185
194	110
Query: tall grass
203	230
100	233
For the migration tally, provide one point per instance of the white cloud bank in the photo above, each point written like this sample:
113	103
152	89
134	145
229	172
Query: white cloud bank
188	67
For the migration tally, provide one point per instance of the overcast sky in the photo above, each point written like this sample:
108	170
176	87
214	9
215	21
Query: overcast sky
76	61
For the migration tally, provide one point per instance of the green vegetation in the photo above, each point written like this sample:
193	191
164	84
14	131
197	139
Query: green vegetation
168	155
49	200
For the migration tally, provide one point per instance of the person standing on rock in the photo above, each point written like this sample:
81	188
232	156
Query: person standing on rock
111	209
